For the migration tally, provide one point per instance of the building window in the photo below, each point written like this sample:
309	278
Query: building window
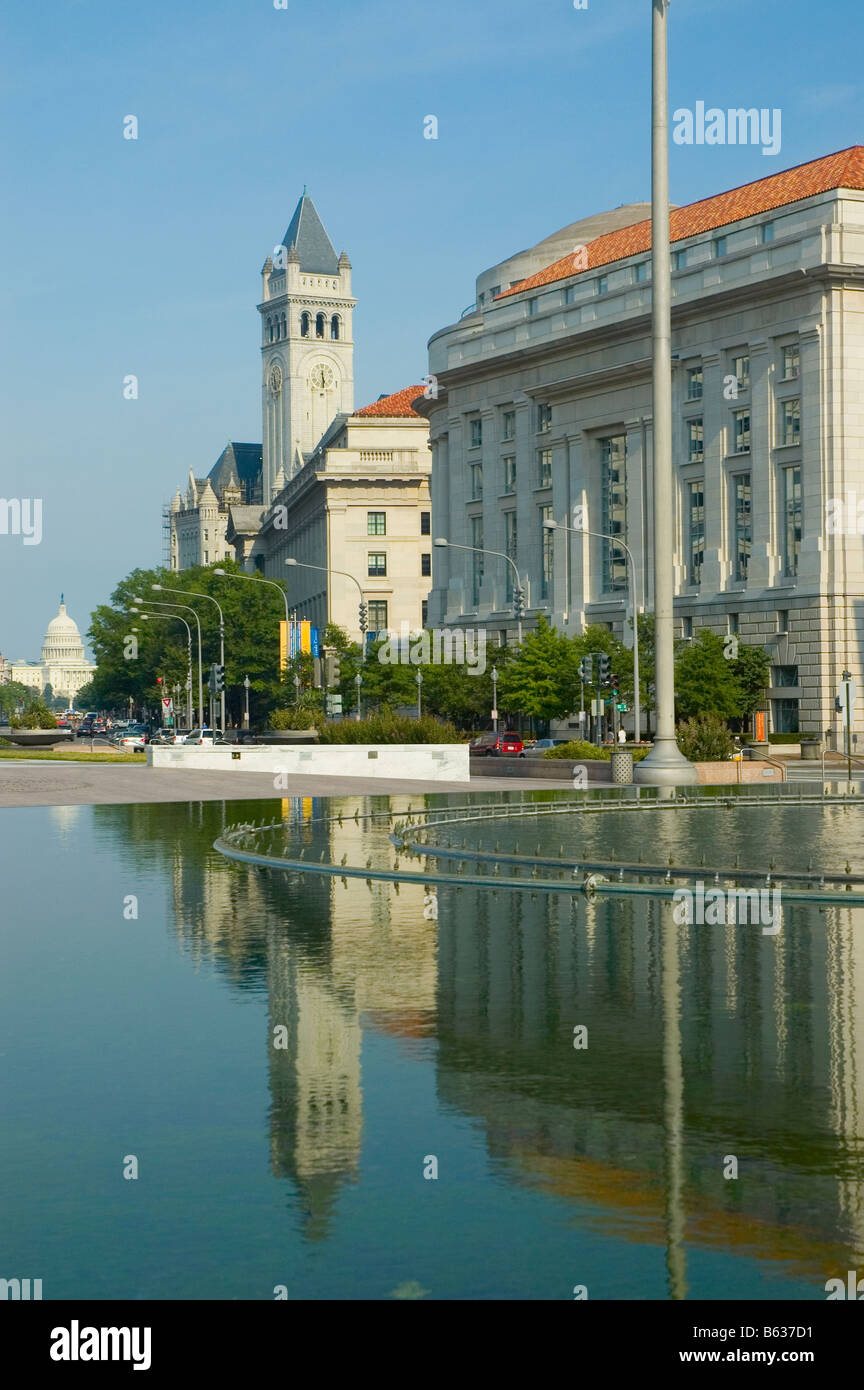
741	431
544	418
791	362
477	558
614	510
532	306
376	523
790	422
334	326
476	482
511	544
509	464
319	325
304	325
783	620
284	327
694	383
696	440
547	542
570	294
734	624
426	565
743	526
679	260
425	523
720	247
496	289
784	676
377	565
544	467
741	371
792	520
784	716
696	530
476	433
767	231
508	425
377	615
424	612
641	272
687	627
602	284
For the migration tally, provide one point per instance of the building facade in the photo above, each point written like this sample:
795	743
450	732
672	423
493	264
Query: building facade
359	505
542	411
197	520
64	665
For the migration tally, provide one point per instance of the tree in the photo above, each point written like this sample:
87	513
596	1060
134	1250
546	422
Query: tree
542	680
704	680
752	672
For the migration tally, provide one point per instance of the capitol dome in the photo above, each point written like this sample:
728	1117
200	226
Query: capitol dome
62	640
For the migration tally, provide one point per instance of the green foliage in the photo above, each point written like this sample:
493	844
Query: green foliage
705	739
294	718
583	752
705	682
751	669
387	727
542	680
12	694
36	716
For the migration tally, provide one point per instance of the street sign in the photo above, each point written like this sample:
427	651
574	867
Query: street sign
494	714
621	707
846	707
167	704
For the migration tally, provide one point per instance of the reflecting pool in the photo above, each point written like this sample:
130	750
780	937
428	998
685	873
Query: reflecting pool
284	1054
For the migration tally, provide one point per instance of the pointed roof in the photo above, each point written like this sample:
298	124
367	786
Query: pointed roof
307	236
842	170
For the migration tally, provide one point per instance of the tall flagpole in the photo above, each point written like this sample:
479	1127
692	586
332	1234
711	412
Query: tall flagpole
665	764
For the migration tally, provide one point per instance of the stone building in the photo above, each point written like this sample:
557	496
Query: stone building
64	665
198	519
543	411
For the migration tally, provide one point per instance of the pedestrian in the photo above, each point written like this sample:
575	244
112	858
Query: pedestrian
622	735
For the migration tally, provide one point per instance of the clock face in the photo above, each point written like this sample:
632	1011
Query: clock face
276	379
322	377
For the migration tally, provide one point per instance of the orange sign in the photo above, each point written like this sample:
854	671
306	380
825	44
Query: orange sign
760	726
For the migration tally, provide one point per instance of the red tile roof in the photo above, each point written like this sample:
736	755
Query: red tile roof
842	170
397	404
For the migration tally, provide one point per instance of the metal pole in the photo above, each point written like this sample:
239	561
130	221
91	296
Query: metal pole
665	764
258	579
846	680
246	684
189	609
501	554
494	699
419	688
358	681
301	564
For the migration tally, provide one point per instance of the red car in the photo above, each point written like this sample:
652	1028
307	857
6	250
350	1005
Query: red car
490	745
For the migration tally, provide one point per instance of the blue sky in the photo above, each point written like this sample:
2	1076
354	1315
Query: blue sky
144	256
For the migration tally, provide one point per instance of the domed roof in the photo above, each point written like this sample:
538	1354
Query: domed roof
62	639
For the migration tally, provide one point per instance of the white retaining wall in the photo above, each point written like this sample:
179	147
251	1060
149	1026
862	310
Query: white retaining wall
447	762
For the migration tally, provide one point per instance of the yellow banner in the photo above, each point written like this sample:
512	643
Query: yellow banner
283	645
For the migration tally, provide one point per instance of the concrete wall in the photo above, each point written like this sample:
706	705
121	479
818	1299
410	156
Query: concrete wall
436	763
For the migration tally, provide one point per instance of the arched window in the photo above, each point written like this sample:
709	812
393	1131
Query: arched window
269	330
334	326
319	325
304	325
284	327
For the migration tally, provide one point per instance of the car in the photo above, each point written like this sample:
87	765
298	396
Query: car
164	736
542	745
202	736
491	745
238	736
136	743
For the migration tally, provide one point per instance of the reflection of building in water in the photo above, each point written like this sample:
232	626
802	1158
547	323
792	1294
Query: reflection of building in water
593	1125
334	957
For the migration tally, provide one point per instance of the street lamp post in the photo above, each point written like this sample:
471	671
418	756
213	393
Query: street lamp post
156	604
419	679
192	593
246	685
442	541
495	699
631	571
301	564
665	765
358	681
259	579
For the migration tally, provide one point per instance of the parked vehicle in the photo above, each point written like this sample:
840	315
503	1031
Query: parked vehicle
542	745
136	743
491	745
202	736
238	736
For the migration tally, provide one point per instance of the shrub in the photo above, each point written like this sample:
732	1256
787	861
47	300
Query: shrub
294	718
387	727
705	739
38	716
580	751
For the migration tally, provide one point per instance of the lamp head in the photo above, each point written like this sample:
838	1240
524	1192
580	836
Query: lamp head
155	586
550	525
440	540
290	560
219	571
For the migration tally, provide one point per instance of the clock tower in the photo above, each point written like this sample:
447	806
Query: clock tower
307	345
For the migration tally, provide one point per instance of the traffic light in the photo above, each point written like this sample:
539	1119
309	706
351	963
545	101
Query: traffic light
331	667
519	603
613	681
363	612
158	680
605	668
219	679
586	669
